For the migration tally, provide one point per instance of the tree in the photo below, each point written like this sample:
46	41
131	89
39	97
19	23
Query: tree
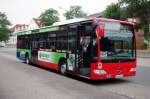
75	12
114	11
4	30
140	9
49	17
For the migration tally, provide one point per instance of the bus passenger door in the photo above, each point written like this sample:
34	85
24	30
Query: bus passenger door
72	43
34	49
84	49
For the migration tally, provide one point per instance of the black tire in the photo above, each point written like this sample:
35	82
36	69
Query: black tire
63	67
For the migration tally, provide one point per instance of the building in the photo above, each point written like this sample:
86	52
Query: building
34	24
95	15
139	34
13	36
19	27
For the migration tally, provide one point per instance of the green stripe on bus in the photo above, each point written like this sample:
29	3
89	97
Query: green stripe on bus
52	57
44	29
25	51
24	33
49	29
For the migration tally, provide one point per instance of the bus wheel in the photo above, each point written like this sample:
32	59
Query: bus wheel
63	67
27	61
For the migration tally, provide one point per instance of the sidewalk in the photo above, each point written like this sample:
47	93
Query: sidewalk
10	46
143	54
143	62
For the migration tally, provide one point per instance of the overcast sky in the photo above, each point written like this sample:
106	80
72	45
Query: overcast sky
22	11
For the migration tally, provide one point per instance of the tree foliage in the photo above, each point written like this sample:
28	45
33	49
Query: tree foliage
112	11
4	30
137	8
49	17
75	12
140	9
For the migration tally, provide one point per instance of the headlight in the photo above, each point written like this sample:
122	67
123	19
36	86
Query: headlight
132	70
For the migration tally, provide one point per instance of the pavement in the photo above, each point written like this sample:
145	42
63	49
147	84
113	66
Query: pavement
143	62
143	54
21	81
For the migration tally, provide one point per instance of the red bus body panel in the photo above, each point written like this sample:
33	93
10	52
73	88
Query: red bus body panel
112	70
48	65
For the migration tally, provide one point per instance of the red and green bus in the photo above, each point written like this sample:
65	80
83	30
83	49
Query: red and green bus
96	48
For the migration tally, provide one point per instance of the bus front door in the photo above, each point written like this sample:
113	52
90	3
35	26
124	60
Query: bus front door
72	46
83	51
34	52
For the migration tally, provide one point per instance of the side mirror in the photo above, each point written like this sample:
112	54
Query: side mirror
100	30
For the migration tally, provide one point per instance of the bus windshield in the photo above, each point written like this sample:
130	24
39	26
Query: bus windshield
117	45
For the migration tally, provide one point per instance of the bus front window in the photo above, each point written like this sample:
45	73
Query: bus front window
116	50
117	45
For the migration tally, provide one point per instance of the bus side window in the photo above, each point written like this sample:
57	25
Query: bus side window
72	41
52	41
61	40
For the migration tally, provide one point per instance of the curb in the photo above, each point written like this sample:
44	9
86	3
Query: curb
142	57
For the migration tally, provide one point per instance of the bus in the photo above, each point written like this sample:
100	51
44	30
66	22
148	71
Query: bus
95	48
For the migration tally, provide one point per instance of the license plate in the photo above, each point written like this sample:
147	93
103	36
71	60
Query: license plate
119	76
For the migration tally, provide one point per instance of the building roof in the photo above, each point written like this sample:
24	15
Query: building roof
38	22
99	14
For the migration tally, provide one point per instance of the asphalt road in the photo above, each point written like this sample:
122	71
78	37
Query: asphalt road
21	81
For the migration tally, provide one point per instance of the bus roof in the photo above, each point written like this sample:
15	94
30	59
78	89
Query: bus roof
70	21
56	25
114	20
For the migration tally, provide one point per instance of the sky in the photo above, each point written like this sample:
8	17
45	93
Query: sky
22	11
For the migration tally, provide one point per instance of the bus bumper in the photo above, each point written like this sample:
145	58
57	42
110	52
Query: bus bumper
112	70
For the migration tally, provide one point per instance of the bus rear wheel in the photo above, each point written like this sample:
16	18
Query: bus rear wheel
63	67
27	61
